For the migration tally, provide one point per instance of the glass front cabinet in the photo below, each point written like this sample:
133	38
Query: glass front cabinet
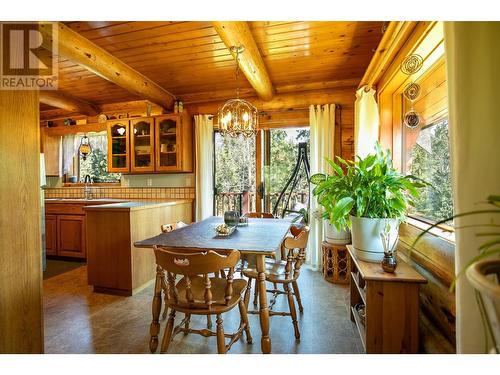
161	143
118	146
142	145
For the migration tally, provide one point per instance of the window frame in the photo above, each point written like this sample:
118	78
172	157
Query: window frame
428	42
77	167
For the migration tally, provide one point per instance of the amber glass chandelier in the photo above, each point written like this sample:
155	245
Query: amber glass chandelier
238	116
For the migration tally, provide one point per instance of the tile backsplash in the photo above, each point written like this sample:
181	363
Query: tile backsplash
122	192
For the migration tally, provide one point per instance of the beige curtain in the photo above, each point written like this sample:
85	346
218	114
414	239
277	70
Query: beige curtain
204	133
366	122
322	137
472	57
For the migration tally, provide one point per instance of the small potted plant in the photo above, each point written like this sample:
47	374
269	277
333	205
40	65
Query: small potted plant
369	197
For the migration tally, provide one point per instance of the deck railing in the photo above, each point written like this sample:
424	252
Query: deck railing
245	201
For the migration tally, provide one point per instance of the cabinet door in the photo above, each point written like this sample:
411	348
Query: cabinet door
168	141
52	149
71	232
142	145
118	146
51	234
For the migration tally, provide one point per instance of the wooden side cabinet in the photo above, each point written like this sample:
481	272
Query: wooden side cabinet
390	302
51	234
71	230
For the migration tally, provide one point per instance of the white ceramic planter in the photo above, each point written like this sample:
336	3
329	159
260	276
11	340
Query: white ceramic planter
366	237
334	236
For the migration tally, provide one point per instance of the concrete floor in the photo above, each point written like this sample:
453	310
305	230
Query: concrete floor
80	321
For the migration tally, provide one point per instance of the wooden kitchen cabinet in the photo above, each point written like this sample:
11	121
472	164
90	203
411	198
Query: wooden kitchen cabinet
118	146
51	234
157	144
142	143
52	149
174	143
71	235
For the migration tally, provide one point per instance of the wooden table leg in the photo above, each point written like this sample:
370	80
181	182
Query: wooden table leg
154	328
265	341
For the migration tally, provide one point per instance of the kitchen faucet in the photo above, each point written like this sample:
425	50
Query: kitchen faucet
87	191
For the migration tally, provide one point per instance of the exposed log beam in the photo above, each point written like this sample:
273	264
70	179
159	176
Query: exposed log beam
237	33
285	102
207	96
76	48
69	103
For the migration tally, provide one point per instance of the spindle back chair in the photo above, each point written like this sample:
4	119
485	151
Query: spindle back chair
201	294
285	272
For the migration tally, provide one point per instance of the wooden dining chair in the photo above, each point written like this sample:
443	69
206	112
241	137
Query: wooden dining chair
285	273
196	293
166	228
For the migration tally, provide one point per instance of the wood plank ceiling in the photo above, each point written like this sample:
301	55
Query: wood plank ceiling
189	59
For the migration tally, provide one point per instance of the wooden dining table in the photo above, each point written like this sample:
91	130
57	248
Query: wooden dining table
262	237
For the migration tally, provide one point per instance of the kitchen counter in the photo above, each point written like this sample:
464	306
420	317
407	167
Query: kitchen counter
137	205
84	201
114	264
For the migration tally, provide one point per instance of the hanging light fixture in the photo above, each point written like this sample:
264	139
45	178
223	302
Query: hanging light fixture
85	148
238	116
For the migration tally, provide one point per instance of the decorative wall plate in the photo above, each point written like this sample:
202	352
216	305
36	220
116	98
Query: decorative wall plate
102	118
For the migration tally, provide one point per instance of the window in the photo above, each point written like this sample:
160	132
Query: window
96	164
427	153
234	177
280	160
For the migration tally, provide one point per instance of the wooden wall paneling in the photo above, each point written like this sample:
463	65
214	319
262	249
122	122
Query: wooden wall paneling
67	102
77	48
21	322
294	53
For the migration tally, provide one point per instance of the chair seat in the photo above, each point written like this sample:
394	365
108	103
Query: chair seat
275	272
218	288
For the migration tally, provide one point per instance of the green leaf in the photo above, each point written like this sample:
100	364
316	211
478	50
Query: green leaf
318	178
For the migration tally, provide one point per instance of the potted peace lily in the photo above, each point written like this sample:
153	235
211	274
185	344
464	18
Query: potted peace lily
370	197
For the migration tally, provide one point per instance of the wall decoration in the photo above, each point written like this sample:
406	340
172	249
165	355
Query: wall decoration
411	65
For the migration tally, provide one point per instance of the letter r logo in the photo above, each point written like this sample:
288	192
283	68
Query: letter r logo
22	51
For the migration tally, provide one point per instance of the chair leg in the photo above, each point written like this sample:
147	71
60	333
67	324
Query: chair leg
256	293
168	332
246	298
244	319
209	321
296	292
186	325
221	343
293	312
165	311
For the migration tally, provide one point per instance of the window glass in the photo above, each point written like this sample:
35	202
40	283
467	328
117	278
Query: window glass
279	166
427	156
96	163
